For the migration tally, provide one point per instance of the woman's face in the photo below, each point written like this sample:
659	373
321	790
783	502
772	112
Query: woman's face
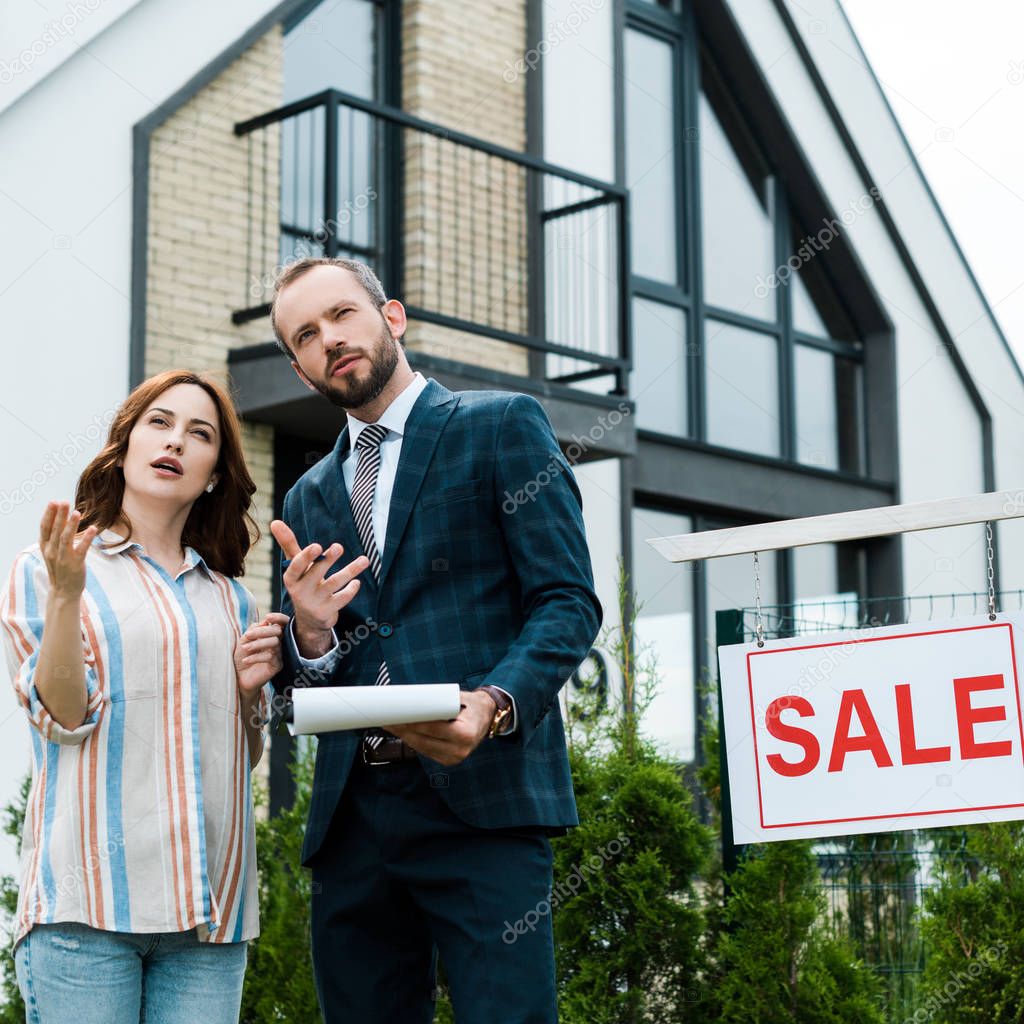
181	429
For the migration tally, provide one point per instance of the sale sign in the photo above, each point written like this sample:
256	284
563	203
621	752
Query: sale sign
875	730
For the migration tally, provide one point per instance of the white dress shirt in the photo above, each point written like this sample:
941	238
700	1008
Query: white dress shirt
394	418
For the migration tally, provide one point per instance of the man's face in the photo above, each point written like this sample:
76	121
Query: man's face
341	344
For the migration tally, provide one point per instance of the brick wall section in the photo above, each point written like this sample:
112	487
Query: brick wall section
465	232
465	251
198	227
199	231
453	60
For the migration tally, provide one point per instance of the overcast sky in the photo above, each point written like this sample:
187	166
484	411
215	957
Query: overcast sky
953	73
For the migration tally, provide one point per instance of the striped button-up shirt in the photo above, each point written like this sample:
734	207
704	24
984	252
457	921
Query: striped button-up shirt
140	819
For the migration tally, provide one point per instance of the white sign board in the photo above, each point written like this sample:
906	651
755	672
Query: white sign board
875	730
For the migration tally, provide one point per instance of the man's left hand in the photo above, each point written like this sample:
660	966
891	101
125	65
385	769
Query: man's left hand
449	743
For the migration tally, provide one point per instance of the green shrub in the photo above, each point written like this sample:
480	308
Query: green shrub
13	1009
627	916
279	978
973	925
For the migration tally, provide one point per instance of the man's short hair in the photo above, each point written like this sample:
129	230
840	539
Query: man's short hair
292	271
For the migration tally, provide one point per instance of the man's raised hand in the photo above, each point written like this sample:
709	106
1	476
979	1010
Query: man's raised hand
316	598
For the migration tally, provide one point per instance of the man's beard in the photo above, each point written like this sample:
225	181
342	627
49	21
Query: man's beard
383	360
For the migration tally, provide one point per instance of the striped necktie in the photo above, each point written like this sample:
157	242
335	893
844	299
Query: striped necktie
363	488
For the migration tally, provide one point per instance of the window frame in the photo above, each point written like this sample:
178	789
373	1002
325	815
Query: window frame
704	627
694	68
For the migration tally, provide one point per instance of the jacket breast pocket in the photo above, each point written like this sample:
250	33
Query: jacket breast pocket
449	495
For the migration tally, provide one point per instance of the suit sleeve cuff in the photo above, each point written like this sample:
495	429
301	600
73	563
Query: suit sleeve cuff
514	719
321	664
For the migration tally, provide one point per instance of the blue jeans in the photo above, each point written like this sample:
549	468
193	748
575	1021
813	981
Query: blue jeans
71	972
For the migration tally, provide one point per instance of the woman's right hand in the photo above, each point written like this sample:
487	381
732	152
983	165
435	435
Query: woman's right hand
65	559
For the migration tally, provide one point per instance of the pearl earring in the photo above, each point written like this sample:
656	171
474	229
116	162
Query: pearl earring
209	487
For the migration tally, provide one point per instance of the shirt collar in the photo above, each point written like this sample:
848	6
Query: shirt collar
118	544
395	415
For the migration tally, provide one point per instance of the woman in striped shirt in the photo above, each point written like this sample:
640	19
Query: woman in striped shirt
140	661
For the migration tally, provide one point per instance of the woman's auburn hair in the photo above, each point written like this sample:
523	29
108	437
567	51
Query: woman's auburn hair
219	525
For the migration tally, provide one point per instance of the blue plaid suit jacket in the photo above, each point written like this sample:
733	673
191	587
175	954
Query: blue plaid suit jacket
485	578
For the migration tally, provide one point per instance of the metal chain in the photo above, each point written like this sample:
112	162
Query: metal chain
758	621
991	572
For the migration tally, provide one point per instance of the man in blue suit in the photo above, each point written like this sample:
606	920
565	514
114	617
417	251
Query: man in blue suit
473	568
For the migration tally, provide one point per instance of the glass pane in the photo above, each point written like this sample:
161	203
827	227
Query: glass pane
817	310
599	484
737	226
742	388
650	156
302	184
729	583
828	411
825	592
806	317
330	48
580	136
664	627
658	380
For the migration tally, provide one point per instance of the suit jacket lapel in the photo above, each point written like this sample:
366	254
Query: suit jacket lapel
423	430
342	526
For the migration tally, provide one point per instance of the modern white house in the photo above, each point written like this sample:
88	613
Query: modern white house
694	230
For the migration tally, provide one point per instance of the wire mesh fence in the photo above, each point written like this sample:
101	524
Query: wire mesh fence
875	885
808	617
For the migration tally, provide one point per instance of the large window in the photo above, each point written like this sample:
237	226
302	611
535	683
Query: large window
334	44
652	164
802	590
742	377
740	335
660	366
675	602
737	228
827	582
331	45
665	633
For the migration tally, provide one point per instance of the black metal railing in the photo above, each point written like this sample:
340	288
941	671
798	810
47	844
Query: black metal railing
473	237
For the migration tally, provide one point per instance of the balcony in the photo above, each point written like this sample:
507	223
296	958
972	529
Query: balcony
509	267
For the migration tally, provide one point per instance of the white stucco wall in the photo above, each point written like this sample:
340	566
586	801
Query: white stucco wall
65	267
940	446
36	39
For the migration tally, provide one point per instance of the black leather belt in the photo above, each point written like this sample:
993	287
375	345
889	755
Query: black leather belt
388	751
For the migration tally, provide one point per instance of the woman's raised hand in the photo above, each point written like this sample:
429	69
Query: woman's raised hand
63	549
258	653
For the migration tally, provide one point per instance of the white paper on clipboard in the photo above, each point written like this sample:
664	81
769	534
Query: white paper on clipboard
335	708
